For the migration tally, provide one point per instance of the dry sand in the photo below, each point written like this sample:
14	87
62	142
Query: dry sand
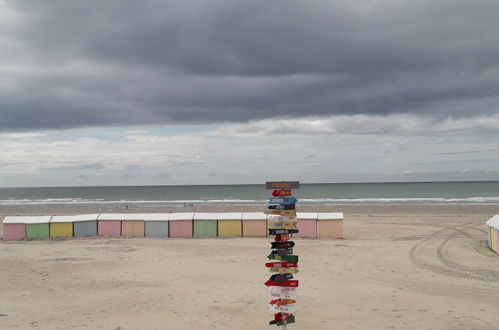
399	267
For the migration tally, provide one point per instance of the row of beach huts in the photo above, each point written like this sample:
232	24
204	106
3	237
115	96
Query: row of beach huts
165	225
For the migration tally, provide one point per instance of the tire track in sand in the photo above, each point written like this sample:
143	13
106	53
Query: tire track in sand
449	267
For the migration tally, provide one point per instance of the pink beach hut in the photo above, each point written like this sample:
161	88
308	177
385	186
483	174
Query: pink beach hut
180	224
254	224
330	225
307	225
14	228
109	224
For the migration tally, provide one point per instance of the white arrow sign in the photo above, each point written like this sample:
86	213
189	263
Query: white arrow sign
283	295
290	309
281	289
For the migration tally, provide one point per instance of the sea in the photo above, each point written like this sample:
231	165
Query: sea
480	192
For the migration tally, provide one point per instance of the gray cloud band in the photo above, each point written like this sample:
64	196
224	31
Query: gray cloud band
73	64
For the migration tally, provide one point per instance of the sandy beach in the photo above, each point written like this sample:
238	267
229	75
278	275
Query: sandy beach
398	267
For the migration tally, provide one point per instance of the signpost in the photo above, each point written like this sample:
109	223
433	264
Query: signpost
282	223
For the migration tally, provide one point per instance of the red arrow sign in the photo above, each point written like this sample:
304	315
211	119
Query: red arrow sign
290	283
281	264
281	193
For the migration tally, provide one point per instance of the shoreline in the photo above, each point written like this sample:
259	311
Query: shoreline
113	207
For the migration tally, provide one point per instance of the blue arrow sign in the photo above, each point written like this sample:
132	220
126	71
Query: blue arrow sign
282	200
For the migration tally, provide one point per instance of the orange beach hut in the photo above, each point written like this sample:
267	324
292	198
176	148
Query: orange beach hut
330	225
254	224
133	224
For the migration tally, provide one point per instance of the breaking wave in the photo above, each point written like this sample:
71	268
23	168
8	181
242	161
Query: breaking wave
302	201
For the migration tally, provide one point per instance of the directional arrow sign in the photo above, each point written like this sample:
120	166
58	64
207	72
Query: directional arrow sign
282	302
281	193
290	309
282	207
282	252
282	245
281	277
290	283
284	258
283	295
282	290
290	213
282	231
281	217
278	224
281	264
283	270
283	200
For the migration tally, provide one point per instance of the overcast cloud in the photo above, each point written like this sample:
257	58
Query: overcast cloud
94	63
365	90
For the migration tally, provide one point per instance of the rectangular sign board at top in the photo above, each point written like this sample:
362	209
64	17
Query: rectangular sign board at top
282	185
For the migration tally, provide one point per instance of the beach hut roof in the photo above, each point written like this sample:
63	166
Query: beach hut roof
205	216
495	222
112	216
157	216
492	219
330	216
306	215
254	216
62	218
37	219
134	216
74	218
85	217
230	216
181	216
14	219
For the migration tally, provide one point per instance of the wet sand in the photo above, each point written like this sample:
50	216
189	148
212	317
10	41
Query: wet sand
399	267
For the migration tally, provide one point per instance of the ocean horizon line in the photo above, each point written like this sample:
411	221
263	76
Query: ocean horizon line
255	184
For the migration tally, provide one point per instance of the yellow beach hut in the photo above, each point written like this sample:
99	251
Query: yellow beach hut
229	224
61	226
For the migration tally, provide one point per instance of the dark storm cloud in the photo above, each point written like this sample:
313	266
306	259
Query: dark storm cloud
88	63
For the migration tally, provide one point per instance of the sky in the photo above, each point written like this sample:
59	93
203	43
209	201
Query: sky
234	91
